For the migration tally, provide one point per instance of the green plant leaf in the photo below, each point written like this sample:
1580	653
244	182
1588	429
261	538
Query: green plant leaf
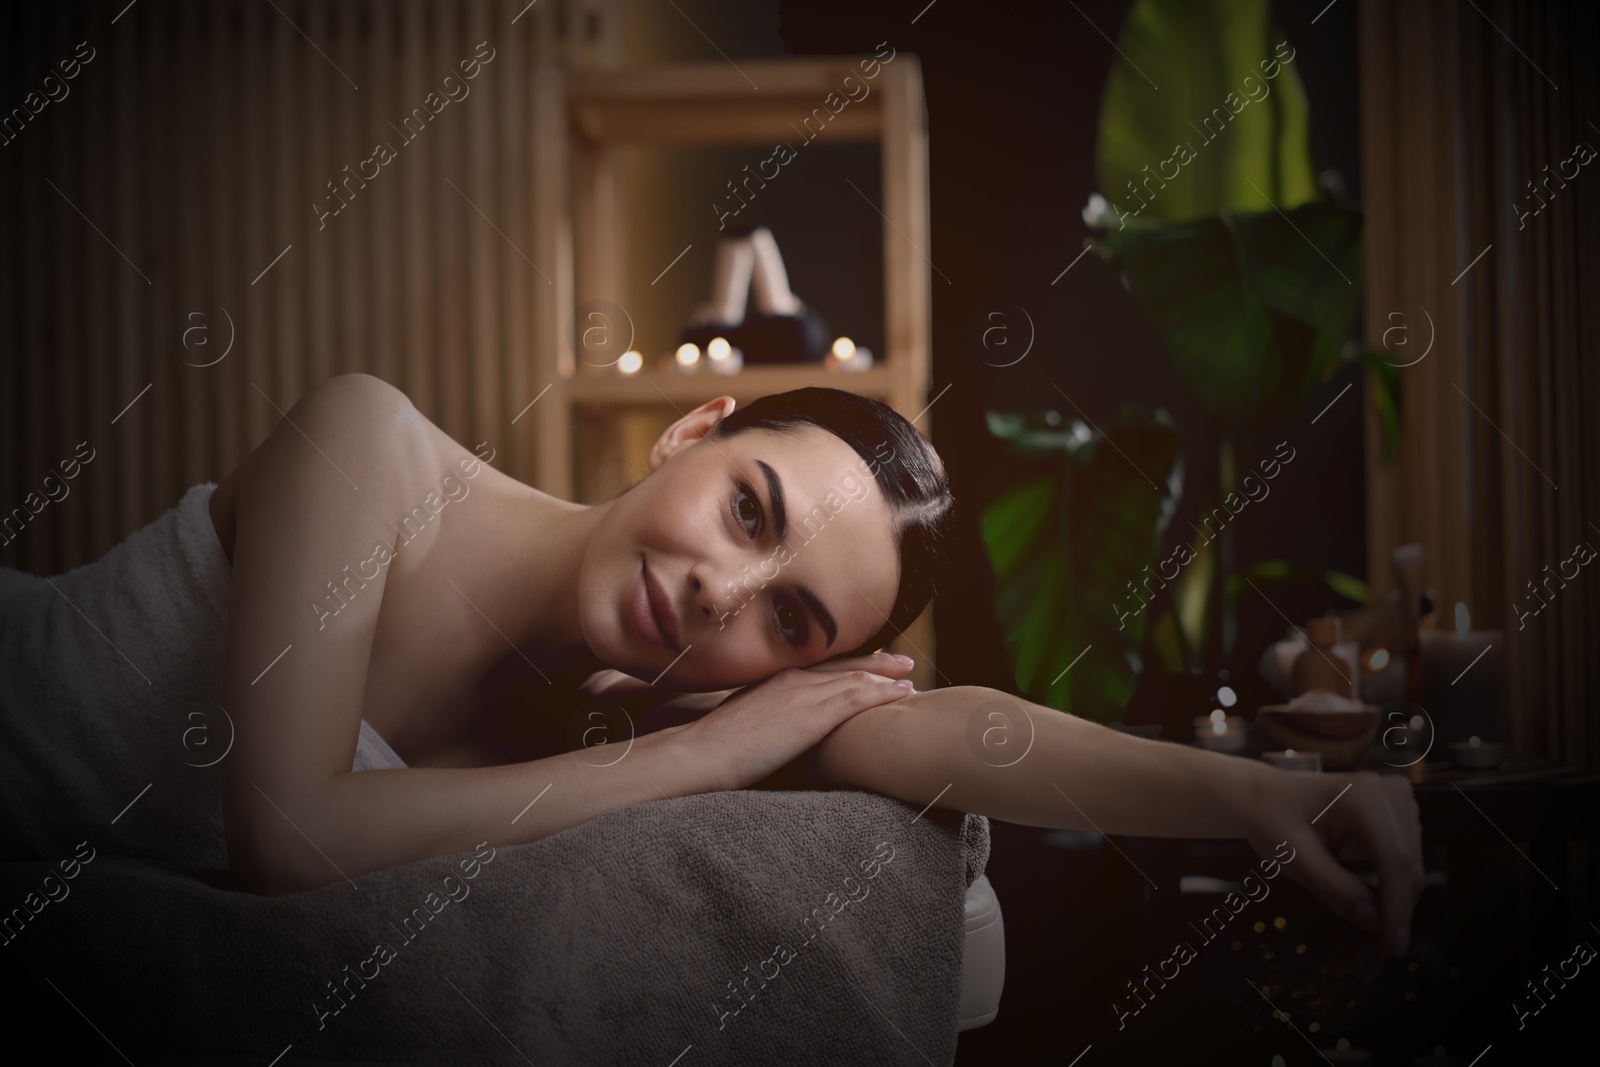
1190	123
1191	596
1079	518
1172	650
1306	263
1383	383
1269	571
1254	309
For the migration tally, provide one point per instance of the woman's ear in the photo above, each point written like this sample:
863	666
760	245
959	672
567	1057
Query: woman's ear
689	429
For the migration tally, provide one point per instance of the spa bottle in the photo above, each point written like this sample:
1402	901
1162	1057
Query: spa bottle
1321	666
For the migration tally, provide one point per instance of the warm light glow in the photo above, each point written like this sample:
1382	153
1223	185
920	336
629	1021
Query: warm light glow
1289	752
1379	659
1219	719
630	362
843	348
719	348
1474	741
1227	696
688	355
1463	620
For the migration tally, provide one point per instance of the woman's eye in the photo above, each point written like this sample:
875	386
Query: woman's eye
746	508
791	627
788	623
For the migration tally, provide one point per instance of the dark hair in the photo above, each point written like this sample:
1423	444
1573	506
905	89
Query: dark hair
911	477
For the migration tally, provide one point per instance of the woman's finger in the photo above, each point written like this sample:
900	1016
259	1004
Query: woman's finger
856	691
1335	885
1411	815
878	662
1395	858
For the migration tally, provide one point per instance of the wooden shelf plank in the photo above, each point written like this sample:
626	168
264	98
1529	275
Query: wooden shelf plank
692	390
711	103
728	122
778	78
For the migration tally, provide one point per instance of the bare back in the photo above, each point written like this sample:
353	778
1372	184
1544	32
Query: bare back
434	643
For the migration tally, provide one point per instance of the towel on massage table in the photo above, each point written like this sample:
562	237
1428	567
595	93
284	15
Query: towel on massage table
754	926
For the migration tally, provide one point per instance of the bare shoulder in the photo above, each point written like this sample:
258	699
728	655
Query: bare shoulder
372	427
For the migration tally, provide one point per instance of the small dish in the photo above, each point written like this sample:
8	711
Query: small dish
1342	737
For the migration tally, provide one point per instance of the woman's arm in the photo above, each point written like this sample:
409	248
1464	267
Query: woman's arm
980	750
310	502
975	749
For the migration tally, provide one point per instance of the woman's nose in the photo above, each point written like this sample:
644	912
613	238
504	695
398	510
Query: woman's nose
715	585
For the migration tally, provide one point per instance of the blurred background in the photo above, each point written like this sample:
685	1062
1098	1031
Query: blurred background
185	255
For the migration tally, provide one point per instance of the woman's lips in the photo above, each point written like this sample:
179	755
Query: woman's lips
665	612
651	611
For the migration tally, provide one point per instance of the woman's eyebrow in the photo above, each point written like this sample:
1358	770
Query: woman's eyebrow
780	513
780	527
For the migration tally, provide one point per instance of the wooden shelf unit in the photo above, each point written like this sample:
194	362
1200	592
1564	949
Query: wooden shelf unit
582	118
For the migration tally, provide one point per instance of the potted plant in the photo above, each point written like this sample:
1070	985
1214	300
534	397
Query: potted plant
1248	267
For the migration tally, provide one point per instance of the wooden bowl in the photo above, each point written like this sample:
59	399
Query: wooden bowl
1342	737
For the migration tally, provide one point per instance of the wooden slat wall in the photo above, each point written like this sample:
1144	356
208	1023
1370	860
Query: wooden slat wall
196	141
1415	247
1548	326
1455	119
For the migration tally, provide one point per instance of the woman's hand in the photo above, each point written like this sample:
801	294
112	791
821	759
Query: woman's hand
764	726
1363	816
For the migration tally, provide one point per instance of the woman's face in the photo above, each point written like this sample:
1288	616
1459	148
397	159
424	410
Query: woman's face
740	592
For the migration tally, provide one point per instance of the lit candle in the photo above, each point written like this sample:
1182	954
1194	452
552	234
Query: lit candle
723	357
688	358
1290	760
630	363
846	356
1477	754
1221	732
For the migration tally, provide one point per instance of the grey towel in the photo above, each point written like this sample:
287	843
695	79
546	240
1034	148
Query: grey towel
110	689
731	928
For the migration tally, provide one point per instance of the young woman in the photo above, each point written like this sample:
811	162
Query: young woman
769	551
